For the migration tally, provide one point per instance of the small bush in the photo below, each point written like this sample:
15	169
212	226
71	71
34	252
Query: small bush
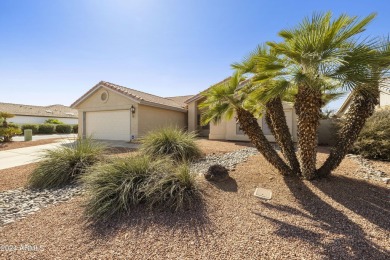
33	127
374	139
64	129
65	164
53	121
6	133
75	129
175	189
171	142
116	187
13	125
46	129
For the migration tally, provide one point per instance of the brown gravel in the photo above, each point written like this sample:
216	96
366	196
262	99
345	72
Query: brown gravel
15	177
342	217
15	145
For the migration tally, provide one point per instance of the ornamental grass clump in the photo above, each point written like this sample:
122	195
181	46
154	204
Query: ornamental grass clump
176	190
172	142
116	187
65	164
374	139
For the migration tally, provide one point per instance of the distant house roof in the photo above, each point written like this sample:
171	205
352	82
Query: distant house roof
199	95
175	103
46	111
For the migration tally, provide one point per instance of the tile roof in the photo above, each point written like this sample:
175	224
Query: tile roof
47	111
180	99
142	97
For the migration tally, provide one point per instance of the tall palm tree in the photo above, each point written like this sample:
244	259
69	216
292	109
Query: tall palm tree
225	100
310	56
273	111
374	61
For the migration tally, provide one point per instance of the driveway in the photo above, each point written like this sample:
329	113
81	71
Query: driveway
22	156
42	137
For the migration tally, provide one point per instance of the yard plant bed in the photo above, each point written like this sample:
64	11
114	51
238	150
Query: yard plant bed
341	217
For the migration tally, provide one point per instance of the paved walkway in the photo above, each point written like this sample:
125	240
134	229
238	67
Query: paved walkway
21	156
43	137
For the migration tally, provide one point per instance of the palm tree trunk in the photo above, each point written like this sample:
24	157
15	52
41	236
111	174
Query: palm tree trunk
276	120
362	107
308	107
251	128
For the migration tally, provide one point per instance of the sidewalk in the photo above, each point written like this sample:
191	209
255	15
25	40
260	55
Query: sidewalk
43	137
22	156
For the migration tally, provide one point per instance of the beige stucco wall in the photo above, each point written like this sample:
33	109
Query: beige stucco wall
151	118
384	99
192	111
115	102
226	130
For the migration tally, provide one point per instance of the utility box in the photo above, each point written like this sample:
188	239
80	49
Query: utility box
27	135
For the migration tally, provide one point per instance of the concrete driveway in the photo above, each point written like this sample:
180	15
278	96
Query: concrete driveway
22	156
26	155
43	137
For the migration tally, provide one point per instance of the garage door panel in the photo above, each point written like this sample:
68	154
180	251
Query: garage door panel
108	125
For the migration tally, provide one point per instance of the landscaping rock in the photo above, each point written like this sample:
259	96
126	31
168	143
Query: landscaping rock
217	173
367	170
18	203
228	160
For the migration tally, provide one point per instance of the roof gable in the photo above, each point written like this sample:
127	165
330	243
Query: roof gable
137	96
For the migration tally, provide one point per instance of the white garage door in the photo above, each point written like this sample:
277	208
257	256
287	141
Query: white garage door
108	125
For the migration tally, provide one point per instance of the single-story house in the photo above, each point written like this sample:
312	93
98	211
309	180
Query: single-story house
112	112
28	114
384	99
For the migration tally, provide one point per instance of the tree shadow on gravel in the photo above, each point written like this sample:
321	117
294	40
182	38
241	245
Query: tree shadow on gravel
194	221
369	201
229	185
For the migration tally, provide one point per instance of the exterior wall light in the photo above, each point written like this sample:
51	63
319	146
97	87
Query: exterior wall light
132	109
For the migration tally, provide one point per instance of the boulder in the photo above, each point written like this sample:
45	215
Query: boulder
217	173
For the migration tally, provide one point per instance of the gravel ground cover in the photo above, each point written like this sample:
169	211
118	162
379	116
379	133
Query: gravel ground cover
15	145
15	177
342	217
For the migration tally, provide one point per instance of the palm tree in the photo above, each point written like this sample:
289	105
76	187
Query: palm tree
225	100
375	63
309	58
273	112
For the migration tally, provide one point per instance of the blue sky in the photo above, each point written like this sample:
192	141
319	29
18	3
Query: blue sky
53	51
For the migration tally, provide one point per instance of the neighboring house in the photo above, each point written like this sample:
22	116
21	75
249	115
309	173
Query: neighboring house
112	112
384	99
28	114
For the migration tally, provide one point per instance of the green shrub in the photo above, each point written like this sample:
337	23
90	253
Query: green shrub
64	165
53	121
33	127
46	129
13	125
75	129
374	139
172	142
175	189
116	187
64	129
6	133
